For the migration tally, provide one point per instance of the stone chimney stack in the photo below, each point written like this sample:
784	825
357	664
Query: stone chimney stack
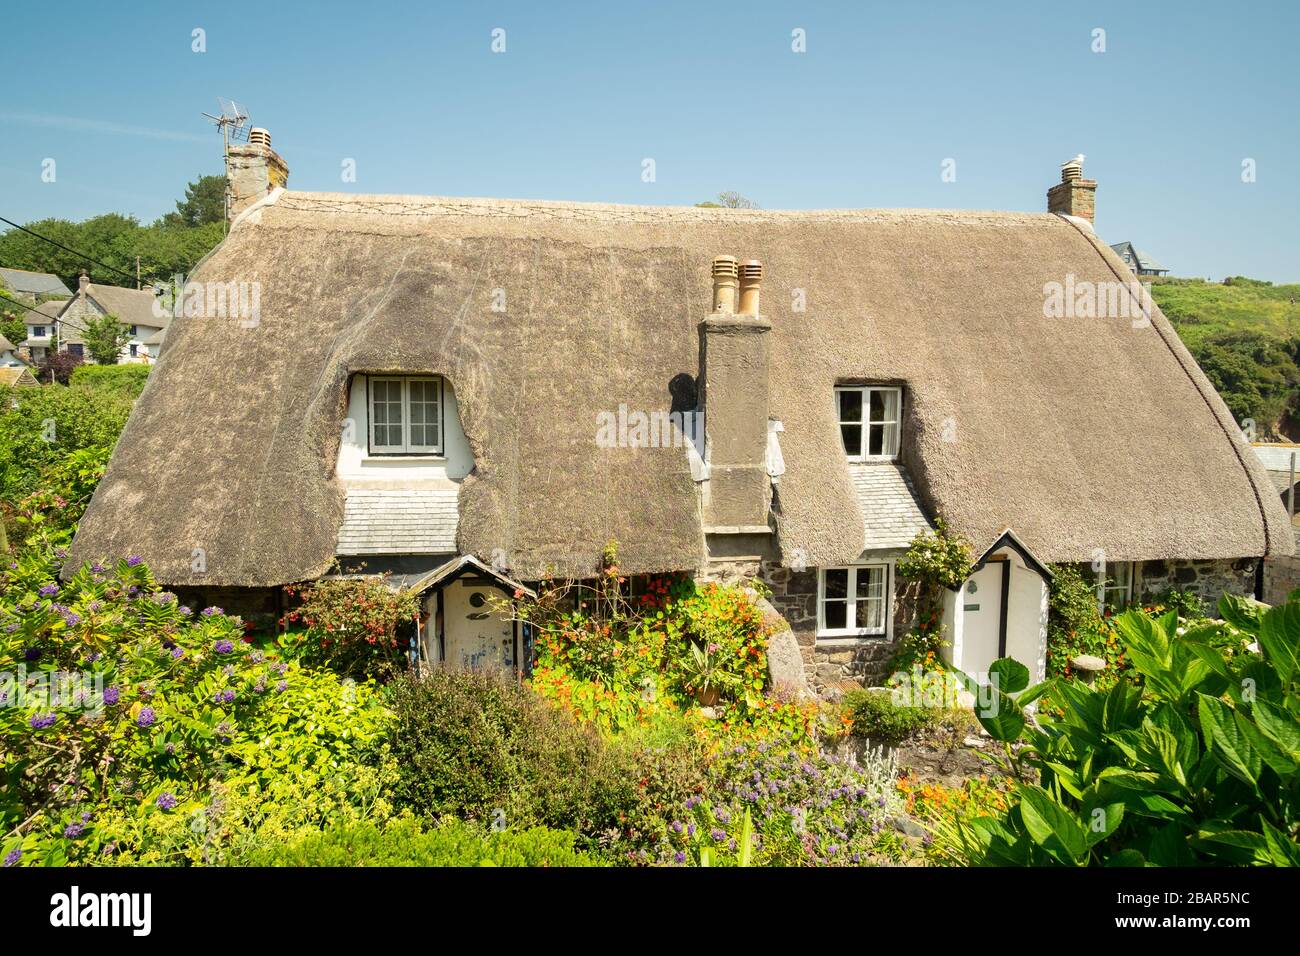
253	169
734	387
83	280
1074	195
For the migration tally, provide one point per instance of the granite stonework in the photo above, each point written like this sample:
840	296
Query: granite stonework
1209	580
1281	577
829	666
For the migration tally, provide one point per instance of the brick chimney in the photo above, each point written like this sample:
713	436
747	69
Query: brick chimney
253	169
1074	195
734	386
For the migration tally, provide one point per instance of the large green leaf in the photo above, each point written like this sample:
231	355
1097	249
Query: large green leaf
1009	675
1051	826
1126	858
999	715
1269	752
1236	846
1278	726
1230	746
1240	612
1281	849
1102	822
1279	636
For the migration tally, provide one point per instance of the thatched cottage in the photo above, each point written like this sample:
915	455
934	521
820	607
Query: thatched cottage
475	392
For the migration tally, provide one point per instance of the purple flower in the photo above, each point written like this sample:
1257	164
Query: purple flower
134	561
259	687
42	721
717	834
146	717
85	816
690	829
97	567
680	857
178	653
49	590
166	801
212	611
13	856
185	610
282	686
32	655
74	830
11	628
112	695
677	826
222	646
223	696
72	620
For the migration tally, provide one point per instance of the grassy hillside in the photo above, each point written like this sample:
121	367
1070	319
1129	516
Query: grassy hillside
1246	336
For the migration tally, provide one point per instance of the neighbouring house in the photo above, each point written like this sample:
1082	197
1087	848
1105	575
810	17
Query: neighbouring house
42	328
138	309
477	393
8	355
1281	573
33	287
1137	260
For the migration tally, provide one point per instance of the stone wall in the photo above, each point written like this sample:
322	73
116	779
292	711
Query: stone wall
1281	577
1207	579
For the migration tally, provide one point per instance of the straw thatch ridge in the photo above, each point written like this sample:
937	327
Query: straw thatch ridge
1081	434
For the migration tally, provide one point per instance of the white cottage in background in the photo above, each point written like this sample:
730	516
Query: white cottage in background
138	309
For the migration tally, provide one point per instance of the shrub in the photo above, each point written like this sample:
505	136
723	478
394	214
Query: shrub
476	745
1074	627
127	379
877	717
406	843
804	809
129	711
351	625
1199	764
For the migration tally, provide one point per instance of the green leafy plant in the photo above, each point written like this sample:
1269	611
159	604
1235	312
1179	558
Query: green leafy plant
876	716
351	624
1195	765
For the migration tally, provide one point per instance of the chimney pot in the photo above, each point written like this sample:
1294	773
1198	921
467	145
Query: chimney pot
257	136
751	277
726	269
1073	195
253	169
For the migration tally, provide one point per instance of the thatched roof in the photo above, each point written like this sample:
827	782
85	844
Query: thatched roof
131	306
1077	433
16	375
6	345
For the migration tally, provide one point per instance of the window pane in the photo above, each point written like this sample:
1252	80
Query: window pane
835	615
837	583
852	436
871	583
850	405
876	445
889	439
386	408
884	405
871	615
424	413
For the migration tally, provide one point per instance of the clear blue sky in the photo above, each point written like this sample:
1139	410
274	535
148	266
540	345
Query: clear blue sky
712	92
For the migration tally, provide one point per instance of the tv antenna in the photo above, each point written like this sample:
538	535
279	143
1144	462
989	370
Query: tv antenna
232	121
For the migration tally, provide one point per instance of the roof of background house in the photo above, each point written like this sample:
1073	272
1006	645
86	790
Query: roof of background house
891	514
156	338
16	375
1144	261
33	283
131	306
6	345
1009	416
48	310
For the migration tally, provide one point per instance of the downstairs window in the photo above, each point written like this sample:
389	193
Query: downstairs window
853	601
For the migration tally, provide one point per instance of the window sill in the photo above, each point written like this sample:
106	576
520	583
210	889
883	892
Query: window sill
399	456
849	640
871	459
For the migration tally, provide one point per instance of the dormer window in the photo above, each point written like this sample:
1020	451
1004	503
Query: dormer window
405	415
869	420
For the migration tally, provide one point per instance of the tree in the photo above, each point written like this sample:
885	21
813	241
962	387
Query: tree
105	338
204	202
729	200
58	366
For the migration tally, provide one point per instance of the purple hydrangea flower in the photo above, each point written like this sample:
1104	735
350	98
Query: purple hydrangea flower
212	611
49	590
146	717
74	830
222	646
167	801
134	561
42	721
13	856
185	610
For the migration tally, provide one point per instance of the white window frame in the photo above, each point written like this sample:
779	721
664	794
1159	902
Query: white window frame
1104	586
886	628
40	332
407	447
864	442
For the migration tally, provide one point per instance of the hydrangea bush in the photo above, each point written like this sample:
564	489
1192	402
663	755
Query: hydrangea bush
132	727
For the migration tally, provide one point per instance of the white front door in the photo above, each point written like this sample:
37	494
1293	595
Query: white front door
476	637
981	598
